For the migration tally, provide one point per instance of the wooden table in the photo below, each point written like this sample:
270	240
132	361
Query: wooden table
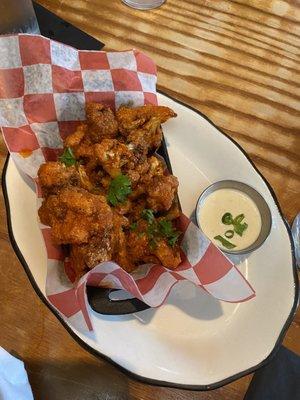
236	61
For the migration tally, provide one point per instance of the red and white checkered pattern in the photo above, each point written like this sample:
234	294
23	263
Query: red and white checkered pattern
44	86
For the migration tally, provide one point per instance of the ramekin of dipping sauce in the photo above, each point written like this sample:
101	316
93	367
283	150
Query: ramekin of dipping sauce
234	216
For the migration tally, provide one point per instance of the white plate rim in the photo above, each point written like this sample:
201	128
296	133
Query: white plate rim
143	379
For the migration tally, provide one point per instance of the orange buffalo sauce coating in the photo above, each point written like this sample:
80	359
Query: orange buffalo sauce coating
25	153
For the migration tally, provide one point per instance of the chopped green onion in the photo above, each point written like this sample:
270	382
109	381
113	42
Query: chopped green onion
238	219
240	228
227	219
229	234
225	242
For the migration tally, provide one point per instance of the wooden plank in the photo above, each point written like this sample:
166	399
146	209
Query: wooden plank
238	63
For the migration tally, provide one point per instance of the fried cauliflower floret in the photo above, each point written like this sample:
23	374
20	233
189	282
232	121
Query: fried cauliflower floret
168	256
130	119
85	181
74	139
80	143
119	240
142	175
86	256
55	175
124	208
137	170
161	192
141	250
138	246
174	212
147	138
155	168
135	227
134	176
111	246
159	189
136	209
76	215
112	156
85	150
101	122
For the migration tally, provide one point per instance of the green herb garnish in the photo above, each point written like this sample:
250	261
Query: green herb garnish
119	189
152	243
148	215
67	157
133	226
168	231
152	230
173	239
238	219
227	219
159	229
165	227
229	234
225	242
238	226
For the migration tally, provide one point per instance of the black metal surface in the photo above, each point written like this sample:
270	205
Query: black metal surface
163	152
100	302
58	29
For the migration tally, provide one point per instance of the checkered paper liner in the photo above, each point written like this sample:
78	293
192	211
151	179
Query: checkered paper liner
44	86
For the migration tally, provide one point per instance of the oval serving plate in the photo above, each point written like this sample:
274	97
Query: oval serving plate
193	341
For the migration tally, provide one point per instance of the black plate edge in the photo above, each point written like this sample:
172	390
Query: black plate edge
124	370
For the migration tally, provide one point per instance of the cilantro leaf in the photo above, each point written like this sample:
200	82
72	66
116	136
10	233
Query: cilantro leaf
67	157
166	227
119	189
133	226
162	229
152	232
168	231
148	215
173	239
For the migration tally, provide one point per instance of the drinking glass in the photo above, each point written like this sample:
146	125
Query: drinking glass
143	4
17	16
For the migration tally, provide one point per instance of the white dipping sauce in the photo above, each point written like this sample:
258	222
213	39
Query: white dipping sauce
235	202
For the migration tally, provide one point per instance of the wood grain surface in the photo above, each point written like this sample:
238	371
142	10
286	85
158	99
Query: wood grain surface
238	63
